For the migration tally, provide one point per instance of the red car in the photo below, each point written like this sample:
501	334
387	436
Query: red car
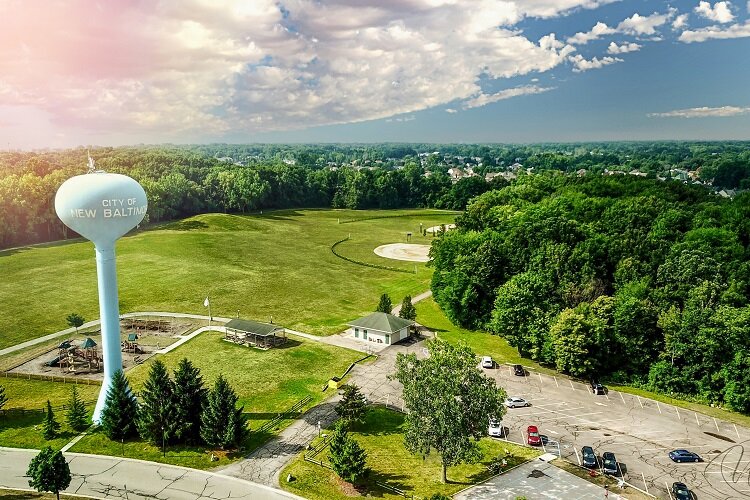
532	436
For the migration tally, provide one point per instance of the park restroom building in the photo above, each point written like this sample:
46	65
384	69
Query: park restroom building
381	328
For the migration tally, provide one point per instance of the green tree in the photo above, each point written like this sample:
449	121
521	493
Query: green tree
50	426
189	400
49	472
347	457
408	311
450	402
385	304
3	397
353	405
120	414
75	320
156	419
77	416
222	422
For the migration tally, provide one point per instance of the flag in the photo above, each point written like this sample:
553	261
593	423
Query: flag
205	302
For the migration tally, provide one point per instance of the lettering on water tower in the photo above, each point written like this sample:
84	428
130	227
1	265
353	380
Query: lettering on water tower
111	208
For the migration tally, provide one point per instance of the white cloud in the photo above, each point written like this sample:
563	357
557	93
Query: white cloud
720	12
599	30
680	21
643	25
716	33
626	47
582	64
703	112
484	99
451	110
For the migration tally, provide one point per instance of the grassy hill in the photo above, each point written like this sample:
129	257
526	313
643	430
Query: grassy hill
278	265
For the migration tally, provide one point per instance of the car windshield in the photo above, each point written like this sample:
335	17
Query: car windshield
680	490
609	461
533	434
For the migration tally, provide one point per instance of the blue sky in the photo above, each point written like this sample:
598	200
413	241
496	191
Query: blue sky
386	70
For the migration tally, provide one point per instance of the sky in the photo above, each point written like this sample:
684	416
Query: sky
122	72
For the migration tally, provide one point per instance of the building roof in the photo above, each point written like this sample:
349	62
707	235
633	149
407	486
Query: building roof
132	337
382	322
255	327
88	343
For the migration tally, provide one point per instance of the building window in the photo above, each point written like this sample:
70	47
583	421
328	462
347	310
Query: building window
364	334
356	333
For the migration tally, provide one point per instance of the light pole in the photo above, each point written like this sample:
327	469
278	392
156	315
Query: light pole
318	428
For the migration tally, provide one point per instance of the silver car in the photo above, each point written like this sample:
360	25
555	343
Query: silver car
516	402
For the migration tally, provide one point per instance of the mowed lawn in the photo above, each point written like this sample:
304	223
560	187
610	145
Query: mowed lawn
382	437
24	429
267	383
277	265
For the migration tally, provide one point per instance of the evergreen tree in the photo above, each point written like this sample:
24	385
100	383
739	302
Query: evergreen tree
75	320
3	397
353	405
77	416
222	422
347	457
49	472
385	304
408	311
156	420
189	400
50	426
119	416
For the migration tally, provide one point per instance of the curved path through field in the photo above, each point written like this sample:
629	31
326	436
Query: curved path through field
99	476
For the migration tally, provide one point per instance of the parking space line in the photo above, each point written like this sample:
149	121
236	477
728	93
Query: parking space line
678	412
639	401
669	490
658	407
622	397
696	419
571	384
540	378
738	432
717	425
558	385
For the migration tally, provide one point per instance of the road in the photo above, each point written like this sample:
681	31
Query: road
111	477
639	431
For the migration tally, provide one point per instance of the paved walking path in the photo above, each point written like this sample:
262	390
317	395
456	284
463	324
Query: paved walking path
101	476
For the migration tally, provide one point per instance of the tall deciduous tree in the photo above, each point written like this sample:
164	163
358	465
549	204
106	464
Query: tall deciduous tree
450	402
408	311
347	457
222	421
189	399
49	472
156	420
77	416
385	305
353	405
120	413
50	426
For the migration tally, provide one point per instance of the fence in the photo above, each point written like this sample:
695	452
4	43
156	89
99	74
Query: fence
296	407
52	378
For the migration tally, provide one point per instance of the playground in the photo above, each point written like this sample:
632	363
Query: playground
80	355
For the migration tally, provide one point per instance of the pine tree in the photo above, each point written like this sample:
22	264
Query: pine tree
120	411
347	457
3	397
156	412
189	400
222	422
353	405
408	311
385	304
50	426
49	472
77	416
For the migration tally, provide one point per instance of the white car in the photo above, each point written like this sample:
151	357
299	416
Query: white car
496	428
487	362
516	402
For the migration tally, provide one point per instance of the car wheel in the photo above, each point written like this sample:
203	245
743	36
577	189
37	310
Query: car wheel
696	460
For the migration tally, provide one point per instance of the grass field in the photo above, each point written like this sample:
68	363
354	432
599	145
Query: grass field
267	383
31	495
278	265
24	429
382	437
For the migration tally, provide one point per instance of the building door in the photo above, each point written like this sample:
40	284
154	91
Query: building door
387	338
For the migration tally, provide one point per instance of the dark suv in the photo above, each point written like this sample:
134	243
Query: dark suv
588	457
596	387
609	464
519	371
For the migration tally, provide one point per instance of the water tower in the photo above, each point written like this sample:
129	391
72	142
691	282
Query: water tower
102	207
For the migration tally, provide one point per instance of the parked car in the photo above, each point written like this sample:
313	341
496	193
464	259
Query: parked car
609	464
684	456
496	428
681	492
589	457
596	387
519	371
487	362
532	436
516	402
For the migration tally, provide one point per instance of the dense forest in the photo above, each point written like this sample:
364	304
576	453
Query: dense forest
631	279
185	180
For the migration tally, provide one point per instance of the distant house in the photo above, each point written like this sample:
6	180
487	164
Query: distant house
456	174
381	328
638	173
581	172
727	193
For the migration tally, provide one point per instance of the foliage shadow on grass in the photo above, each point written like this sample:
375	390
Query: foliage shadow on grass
187	225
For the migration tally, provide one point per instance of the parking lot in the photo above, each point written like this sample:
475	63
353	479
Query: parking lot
639	431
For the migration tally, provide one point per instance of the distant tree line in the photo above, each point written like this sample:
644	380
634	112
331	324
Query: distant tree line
637	280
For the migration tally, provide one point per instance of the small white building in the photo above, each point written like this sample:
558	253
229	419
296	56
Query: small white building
381	328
